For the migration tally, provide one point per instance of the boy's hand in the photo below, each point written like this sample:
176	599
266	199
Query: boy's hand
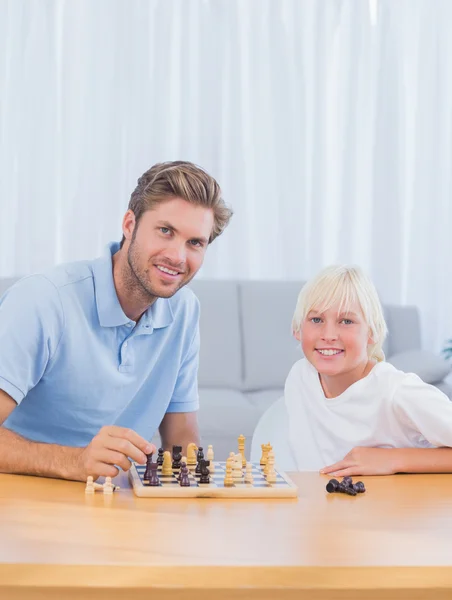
365	461
111	448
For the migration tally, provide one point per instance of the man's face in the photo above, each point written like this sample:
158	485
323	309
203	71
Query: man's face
168	245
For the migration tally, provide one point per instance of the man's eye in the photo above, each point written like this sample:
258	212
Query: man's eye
164	230
196	243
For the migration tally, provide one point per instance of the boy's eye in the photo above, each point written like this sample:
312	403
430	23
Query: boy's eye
316	319
347	321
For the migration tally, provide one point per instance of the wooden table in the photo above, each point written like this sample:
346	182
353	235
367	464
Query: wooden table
394	541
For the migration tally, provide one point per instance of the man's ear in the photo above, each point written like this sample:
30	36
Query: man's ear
128	224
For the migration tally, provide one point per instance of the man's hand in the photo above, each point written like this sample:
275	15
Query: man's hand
111	448
365	461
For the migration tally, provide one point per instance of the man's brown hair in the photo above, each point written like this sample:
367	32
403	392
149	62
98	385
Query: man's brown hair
180	179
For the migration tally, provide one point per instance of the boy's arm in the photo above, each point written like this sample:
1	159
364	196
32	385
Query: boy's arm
110	448
425	414
388	461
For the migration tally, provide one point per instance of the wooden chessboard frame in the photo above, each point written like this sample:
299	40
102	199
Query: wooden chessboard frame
284	488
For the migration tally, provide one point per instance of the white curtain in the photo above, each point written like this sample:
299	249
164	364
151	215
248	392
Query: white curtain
328	124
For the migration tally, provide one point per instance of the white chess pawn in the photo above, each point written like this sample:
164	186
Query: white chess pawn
108	486
271	473
249	473
210	456
89	485
237	472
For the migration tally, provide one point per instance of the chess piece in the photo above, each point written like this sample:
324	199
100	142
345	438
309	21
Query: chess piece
268	449
204	464
237	472
160	457
200	457
271	473
177	455
167	466
210	457
184	479
89	489
147	472
153	478
359	487
249	473
191	454
229	480
108	486
263	460
182	465
241	441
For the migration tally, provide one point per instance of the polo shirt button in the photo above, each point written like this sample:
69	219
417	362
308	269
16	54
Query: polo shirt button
125	344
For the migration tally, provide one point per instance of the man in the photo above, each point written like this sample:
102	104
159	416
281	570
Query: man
96	355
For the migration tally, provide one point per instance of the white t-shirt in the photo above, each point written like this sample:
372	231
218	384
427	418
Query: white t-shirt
388	409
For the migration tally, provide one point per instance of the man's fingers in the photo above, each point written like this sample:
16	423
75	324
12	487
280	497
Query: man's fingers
132	436
111	457
125	448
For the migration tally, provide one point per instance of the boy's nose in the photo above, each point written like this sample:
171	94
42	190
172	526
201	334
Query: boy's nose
329	333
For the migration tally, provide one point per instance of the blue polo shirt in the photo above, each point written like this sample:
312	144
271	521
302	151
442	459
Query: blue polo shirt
73	361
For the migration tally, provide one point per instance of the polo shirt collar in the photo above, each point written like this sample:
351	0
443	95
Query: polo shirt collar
109	309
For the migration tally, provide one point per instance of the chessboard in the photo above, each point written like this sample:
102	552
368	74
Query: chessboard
169	486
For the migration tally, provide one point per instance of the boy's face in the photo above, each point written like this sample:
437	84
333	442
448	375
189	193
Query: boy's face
167	247
335	343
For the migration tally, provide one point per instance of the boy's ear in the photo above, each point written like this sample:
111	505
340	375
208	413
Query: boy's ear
297	335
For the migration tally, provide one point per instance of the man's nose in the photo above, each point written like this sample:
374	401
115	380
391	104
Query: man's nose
176	253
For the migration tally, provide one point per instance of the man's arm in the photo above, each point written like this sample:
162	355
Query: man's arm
388	461
111	448
179	429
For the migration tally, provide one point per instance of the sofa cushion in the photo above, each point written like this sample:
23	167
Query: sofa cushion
220	358
270	350
430	367
404	329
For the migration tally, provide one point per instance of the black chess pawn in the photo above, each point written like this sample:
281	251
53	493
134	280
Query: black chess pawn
154	479
160	457
177	455
200	457
182	465
205	472
184	479
332	486
359	487
147	472
346	489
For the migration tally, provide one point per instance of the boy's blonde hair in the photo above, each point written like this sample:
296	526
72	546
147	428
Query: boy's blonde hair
344	286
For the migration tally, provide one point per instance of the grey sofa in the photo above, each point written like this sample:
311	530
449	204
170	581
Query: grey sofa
247	351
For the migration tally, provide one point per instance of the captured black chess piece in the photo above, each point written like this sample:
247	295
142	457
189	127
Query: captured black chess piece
160	457
147	472
177	456
346	486
184	479
199	457
154	479
205	471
